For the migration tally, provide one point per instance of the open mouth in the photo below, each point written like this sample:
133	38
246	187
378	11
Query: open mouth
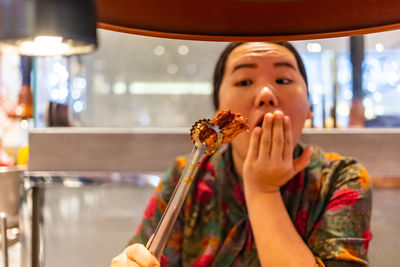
260	121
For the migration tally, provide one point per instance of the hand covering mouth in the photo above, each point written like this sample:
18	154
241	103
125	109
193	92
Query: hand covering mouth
260	120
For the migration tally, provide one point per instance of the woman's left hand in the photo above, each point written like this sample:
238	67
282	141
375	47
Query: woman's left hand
269	162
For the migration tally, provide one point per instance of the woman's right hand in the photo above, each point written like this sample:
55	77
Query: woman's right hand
134	256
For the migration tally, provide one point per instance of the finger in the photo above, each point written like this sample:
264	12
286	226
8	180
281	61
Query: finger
254	146
288	146
303	161
265	141
277	136
138	253
122	260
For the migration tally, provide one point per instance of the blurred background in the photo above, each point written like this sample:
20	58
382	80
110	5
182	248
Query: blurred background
135	81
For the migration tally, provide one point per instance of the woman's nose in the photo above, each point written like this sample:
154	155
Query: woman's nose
266	96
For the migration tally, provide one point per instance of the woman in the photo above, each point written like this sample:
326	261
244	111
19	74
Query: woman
265	199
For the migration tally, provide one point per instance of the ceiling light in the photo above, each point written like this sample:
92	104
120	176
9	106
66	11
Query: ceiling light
183	50
314	47
379	47
159	50
48	27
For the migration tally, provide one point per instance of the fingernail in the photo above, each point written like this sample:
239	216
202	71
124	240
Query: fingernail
278	114
286	119
269	117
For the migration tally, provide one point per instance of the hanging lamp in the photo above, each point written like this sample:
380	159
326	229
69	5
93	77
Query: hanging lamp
48	27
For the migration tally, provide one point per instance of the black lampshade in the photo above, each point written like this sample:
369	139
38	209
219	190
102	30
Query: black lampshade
48	27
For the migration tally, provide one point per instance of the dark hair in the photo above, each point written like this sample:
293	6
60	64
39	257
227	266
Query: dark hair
220	67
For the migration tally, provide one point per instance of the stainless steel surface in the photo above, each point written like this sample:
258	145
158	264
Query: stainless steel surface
4	240
14	255
25	222
10	178
62	213
38	194
31	224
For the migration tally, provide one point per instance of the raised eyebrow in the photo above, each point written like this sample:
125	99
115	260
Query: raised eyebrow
244	65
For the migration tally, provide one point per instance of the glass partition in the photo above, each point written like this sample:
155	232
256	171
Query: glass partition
136	81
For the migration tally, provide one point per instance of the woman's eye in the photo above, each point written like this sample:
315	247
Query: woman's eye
244	83
284	81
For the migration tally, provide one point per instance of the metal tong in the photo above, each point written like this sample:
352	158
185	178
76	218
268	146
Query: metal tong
4	241
159	239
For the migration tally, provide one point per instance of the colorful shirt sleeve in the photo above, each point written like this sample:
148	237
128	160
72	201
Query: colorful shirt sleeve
153	213
341	235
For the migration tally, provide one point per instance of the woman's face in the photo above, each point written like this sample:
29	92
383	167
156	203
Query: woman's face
261	78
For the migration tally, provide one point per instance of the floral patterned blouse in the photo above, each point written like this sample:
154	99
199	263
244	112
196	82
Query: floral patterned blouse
329	203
